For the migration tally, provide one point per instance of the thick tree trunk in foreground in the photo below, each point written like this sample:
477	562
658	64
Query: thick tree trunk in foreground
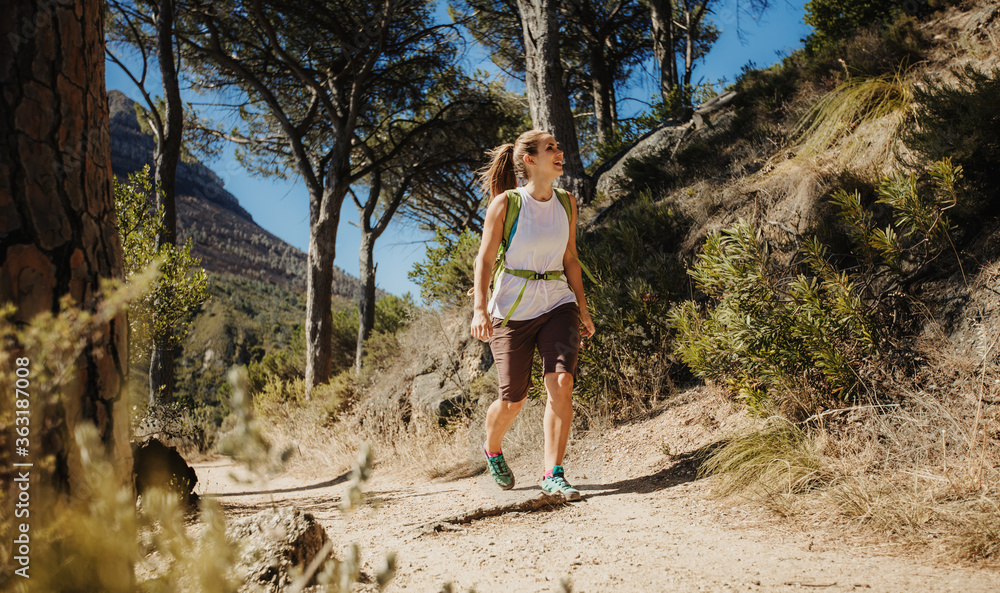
543	77
58	233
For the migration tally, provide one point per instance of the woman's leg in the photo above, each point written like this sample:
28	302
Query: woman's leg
558	416
499	419
559	345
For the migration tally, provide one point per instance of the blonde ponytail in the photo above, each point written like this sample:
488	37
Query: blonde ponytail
506	164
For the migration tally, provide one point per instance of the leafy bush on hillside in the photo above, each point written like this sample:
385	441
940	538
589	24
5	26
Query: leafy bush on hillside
870	51
634	257
836	20
962	122
449	271
169	305
795	335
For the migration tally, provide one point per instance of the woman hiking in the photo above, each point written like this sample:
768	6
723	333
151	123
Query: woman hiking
537	298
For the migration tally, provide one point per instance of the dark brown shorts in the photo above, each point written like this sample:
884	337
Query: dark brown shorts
556	334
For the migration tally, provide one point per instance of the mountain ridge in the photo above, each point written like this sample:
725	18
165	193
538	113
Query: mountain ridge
224	235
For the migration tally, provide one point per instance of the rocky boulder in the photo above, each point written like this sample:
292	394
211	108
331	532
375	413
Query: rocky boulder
664	141
156	465
441	363
273	542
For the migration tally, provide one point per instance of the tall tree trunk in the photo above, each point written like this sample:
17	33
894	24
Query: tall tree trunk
167	154
324	220
661	13
549	104
58	231
689	34
366	300
603	88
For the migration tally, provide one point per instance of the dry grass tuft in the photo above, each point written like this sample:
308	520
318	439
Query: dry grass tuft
779	459
862	119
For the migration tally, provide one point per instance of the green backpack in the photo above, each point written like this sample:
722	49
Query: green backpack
509	228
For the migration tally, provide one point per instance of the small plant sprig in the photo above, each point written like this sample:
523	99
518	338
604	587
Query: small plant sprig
920	228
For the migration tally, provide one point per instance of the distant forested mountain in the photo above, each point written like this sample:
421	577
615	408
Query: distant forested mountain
224	235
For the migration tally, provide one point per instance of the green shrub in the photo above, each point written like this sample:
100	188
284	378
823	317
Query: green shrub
836	20
449	271
962	122
392	313
635	259
169	305
872	51
795	335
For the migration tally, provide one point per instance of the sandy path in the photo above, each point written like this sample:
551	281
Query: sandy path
646	526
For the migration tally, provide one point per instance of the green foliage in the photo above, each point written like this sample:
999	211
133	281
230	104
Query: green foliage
449	271
795	335
169	306
835	20
766	95
962	122
634	258
392	313
920	231
770	333
244	323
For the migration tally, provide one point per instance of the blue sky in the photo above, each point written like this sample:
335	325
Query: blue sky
282	207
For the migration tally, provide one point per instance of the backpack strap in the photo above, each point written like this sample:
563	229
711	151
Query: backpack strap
509	228
565	200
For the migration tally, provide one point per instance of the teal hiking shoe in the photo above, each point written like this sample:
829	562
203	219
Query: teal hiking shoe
558	486
500	472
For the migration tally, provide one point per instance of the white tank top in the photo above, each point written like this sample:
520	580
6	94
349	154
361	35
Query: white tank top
539	244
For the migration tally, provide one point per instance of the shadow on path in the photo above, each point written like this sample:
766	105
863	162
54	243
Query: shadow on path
338	480
683	470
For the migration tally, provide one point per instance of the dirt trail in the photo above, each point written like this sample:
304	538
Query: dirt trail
645	524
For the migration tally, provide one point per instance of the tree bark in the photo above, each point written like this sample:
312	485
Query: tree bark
661	14
366	303
543	77
324	221
58	232
603	87
688	48
165	158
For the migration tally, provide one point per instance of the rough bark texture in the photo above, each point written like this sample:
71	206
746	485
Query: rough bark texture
661	13
58	233
366	304
165	157
550	110
324	221
603	86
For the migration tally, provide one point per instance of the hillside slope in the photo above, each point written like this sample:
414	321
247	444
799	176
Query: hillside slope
224	235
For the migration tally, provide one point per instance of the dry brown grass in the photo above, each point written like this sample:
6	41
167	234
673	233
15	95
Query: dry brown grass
925	472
